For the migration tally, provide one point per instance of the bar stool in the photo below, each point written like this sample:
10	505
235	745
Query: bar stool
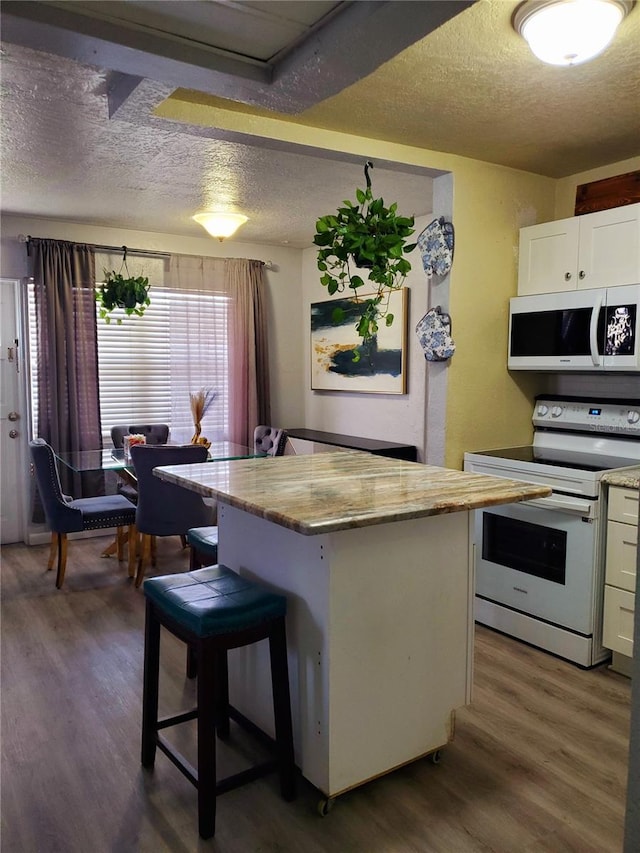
204	546
214	610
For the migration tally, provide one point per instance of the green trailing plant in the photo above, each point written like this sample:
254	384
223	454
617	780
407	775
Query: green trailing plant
364	235
131	293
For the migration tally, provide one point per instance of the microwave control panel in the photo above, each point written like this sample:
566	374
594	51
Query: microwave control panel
621	417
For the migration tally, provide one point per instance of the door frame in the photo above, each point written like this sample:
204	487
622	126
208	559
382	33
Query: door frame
24	402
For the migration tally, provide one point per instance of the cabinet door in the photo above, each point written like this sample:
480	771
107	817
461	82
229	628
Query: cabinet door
609	247
617	625
622	547
623	505
548	257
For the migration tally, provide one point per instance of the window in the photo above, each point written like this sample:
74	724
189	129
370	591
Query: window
149	365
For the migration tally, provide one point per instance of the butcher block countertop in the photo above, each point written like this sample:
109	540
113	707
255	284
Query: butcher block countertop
327	492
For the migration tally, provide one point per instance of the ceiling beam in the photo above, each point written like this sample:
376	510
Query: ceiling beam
351	44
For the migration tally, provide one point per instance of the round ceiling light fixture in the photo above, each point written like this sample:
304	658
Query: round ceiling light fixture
568	32
219	224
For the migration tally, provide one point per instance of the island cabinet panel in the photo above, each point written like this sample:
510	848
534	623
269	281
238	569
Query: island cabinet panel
380	633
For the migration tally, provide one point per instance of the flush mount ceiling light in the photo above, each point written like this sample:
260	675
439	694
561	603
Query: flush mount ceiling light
220	225
568	32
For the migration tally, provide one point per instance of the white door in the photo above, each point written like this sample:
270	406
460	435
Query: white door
13	426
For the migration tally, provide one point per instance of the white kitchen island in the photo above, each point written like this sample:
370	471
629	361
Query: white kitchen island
375	558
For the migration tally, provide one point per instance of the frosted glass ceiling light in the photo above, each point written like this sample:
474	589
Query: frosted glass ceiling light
220	225
568	32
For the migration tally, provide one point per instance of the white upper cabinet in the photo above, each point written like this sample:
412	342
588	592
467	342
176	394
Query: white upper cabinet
599	249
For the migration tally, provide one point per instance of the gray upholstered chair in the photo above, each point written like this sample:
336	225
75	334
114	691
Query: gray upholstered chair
66	515
129	491
269	440
118	433
153	433
165	509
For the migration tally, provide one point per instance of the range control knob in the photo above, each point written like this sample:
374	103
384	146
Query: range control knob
543	410
556	411
633	417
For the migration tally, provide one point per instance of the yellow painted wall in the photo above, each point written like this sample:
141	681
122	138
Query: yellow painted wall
490	205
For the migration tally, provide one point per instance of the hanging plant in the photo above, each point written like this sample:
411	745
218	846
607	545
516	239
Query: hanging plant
364	235
128	292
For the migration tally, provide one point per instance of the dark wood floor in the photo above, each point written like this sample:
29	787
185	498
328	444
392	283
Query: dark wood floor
538	762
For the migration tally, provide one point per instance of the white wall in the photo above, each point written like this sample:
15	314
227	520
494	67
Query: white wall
284	288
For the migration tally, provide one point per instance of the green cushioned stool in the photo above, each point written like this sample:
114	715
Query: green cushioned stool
214	610
204	546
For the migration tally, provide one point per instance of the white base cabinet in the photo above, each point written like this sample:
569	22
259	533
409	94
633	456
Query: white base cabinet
380	638
599	249
620	572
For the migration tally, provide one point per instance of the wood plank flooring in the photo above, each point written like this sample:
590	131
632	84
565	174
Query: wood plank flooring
538	762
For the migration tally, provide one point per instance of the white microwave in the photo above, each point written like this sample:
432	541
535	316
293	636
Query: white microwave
586	330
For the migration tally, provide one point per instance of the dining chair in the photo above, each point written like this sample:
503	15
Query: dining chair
153	433
118	433
269	440
65	515
165	509
124	487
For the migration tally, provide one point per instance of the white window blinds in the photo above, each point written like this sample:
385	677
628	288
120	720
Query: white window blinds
149	365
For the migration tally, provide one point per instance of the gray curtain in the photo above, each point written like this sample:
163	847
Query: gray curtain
243	281
68	392
249	393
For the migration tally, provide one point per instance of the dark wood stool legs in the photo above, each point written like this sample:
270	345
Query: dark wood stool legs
151	680
208	656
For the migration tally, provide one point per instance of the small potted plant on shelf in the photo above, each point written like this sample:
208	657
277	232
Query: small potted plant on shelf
364	235
125	291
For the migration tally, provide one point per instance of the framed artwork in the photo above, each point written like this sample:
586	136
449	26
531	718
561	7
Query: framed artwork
382	365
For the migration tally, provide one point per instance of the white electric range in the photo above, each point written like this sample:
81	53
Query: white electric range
540	564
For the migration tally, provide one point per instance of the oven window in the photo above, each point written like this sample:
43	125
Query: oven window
530	548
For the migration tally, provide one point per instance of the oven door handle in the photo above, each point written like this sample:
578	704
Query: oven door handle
563	504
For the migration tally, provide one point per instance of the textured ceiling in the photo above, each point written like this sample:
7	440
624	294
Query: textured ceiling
470	87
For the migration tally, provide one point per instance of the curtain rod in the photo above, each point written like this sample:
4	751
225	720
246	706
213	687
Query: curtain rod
27	240
22	239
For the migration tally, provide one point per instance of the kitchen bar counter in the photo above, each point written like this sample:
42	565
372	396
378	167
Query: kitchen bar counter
374	556
327	492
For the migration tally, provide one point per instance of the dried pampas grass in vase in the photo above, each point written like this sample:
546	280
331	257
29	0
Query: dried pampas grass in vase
200	402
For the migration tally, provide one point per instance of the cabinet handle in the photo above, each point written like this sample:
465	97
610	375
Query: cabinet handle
581	274
567	276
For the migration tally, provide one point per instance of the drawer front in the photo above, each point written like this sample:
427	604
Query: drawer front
623	505
618	620
622	544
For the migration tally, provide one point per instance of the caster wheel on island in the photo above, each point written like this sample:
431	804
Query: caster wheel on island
436	757
324	806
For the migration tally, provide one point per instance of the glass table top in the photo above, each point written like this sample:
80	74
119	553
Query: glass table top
112	459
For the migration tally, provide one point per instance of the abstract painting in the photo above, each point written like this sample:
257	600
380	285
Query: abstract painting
381	367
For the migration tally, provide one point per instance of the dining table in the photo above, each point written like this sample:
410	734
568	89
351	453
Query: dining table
114	459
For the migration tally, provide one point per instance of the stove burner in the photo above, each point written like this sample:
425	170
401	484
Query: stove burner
529	453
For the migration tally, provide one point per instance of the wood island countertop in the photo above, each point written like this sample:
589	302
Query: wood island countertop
327	492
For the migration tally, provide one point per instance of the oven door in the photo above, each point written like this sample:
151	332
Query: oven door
538	558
